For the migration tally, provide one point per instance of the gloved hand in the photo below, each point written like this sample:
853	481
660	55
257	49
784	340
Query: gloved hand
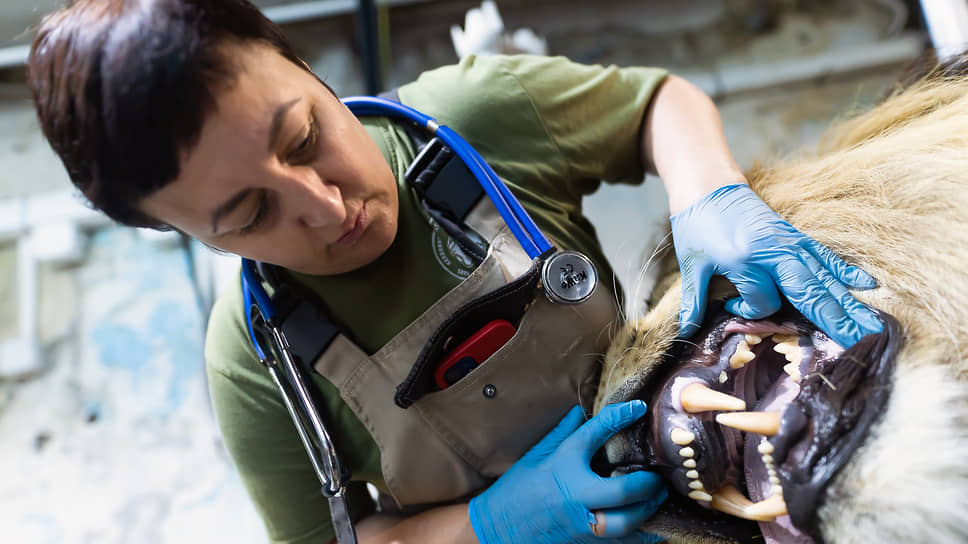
550	495
733	233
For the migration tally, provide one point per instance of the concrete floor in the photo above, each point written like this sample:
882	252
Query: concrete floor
112	439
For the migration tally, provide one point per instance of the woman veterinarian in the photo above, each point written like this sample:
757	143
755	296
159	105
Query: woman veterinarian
197	115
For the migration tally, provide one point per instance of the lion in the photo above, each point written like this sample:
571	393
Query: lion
768	430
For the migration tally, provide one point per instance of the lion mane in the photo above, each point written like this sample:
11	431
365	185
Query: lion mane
887	191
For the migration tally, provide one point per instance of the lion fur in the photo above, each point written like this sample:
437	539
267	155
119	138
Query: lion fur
887	191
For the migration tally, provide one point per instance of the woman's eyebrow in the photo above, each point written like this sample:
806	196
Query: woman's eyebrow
277	118
226	207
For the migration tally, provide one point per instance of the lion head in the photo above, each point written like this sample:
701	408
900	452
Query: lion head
768	429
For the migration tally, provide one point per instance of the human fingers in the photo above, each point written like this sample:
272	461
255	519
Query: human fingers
637	487
854	309
695	287
565	428
851	275
758	296
638	537
623	521
808	294
612	419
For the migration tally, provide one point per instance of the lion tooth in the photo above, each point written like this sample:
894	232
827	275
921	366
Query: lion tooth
775	480
681	437
765	423
687	452
767	458
696	485
794	355
700	496
723	377
786	348
689	463
771	507
730	500
765	447
700	398
793	369
753	339
741	356
692	474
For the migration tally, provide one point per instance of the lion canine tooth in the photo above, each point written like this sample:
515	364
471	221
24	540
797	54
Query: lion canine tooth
753	339
730	500
700	496
689	463
741	356
772	507
681	437
687	452
793	369
765	423
699	398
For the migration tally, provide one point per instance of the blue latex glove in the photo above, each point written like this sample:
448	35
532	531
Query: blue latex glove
550	495
733	233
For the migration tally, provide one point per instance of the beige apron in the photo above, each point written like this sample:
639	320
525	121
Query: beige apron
453	442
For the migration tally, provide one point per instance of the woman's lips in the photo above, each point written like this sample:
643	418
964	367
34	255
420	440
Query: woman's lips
357	229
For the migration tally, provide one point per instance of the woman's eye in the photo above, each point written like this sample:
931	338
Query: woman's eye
304	148
257	219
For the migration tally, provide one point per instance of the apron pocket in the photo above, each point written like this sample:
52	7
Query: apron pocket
512	399
508	303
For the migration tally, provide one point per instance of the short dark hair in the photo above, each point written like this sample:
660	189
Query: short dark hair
123	87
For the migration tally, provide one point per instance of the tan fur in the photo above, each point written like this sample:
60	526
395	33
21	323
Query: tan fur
889	192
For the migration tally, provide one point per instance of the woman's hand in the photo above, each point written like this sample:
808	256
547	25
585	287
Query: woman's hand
733	233
551	495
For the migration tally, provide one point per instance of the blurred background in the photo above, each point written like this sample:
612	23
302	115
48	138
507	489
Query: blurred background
105	429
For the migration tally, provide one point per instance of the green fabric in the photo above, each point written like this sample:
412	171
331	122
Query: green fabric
552	130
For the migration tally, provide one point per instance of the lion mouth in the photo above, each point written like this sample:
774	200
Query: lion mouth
757	417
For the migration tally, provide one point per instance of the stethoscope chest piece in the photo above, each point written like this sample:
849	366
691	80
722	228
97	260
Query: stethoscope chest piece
569	277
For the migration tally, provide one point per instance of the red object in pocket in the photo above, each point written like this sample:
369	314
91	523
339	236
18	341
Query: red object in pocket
473	351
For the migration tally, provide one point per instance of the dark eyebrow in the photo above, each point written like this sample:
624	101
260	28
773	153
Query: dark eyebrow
226	207
277	119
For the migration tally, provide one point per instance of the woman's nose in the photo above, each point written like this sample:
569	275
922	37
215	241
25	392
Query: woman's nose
318	203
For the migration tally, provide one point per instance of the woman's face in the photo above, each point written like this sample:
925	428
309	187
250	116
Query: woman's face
283	173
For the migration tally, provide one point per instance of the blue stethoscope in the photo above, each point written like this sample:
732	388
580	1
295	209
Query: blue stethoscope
559	270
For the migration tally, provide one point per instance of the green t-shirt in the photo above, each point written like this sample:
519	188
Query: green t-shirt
552	129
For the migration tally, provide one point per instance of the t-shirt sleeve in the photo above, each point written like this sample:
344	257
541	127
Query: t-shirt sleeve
584	120
260	437
593	113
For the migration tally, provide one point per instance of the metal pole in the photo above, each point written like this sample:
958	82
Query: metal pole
368	35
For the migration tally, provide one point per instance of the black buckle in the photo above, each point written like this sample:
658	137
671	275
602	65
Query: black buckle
439	176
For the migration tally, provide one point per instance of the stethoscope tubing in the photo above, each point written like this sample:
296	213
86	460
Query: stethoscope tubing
532	240
251	287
